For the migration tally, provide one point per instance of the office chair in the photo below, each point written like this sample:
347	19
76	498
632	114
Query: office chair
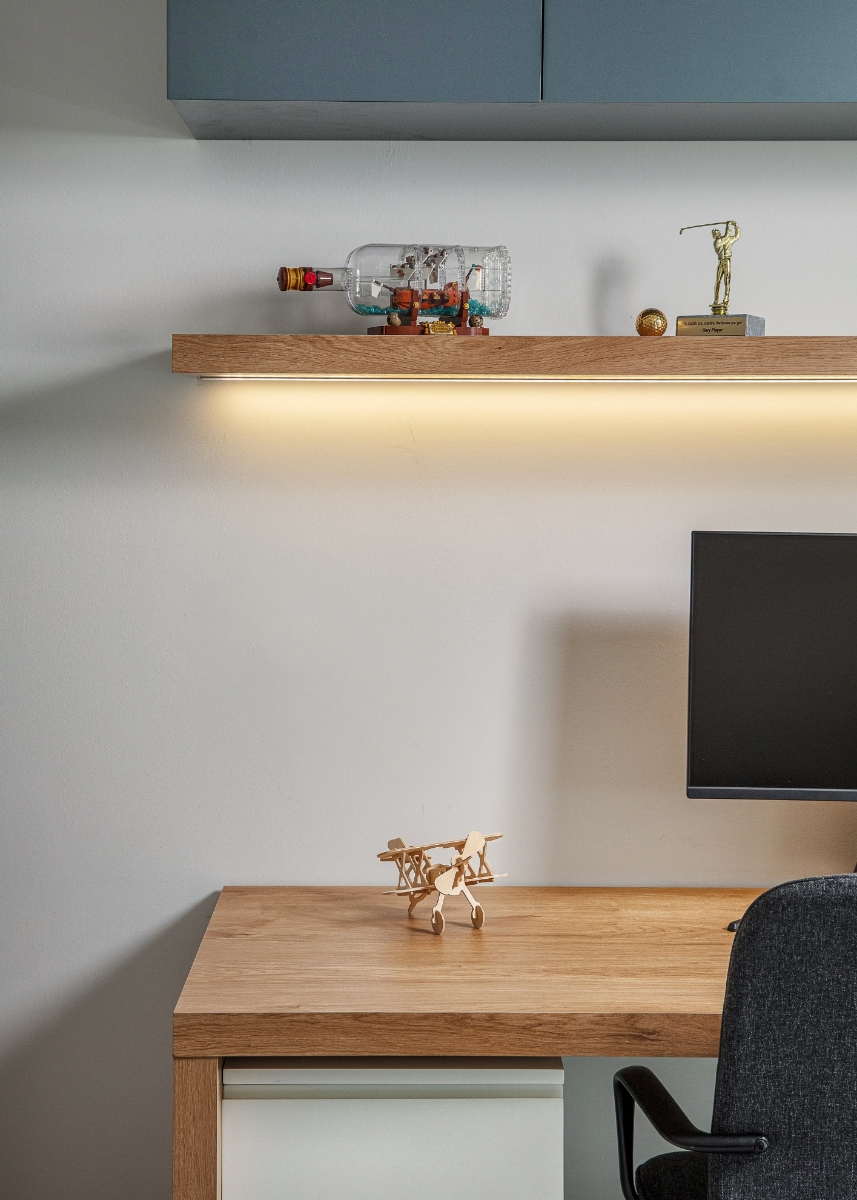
784	1125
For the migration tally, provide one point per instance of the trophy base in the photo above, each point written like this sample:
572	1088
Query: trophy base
740	325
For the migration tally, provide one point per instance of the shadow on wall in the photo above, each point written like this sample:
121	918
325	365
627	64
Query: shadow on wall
610	303
622	705
140	397
606	752
85	1102
621	701
93	66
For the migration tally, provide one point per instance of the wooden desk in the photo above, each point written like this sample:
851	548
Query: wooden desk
343	971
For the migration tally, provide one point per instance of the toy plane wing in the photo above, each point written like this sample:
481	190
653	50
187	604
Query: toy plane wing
397	846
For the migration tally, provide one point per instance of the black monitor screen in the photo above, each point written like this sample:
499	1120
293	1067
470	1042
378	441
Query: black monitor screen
773	666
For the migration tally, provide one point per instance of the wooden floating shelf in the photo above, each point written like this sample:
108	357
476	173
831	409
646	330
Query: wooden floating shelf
497	357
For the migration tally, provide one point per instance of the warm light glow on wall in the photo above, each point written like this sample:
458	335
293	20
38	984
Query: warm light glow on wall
524	425
609	400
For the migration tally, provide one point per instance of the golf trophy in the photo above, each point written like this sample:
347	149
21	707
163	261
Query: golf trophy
720	323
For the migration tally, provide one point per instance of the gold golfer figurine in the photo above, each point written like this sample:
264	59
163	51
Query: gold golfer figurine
723	243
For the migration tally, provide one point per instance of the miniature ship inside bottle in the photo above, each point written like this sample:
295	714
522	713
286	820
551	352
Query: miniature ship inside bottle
456	287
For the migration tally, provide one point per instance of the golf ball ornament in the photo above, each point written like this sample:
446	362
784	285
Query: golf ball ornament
651	323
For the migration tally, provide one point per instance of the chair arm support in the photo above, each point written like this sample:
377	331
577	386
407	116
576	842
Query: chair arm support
639	1085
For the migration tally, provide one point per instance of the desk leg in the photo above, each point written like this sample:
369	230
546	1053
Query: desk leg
196	1128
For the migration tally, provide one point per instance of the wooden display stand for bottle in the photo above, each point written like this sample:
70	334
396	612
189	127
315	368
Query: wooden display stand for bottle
457	330
405	318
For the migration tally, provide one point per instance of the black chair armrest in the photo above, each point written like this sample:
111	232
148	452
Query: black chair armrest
639	1085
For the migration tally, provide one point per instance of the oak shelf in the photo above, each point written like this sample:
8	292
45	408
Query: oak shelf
498	357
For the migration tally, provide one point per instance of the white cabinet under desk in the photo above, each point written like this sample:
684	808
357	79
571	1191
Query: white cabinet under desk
373	1128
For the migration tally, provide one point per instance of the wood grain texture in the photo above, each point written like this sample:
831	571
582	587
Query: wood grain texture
322	971
196	1128
350	357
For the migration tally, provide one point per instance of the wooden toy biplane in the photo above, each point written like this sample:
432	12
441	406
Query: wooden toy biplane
419	877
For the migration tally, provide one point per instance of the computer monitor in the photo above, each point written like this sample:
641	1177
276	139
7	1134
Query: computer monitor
772	707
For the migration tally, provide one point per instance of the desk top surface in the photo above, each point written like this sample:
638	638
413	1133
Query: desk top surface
325	971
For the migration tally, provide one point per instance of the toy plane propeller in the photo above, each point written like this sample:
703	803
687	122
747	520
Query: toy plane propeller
419	877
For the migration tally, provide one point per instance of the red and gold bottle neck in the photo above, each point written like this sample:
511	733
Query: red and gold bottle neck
303	279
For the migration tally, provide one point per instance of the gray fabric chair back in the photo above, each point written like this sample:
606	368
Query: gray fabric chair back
788	1049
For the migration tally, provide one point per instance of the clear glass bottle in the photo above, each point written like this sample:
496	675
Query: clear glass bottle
407	282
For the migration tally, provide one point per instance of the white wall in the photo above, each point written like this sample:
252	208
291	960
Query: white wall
250	632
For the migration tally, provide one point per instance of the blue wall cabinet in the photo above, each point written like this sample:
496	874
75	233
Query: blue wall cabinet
514	69
678	52
276	52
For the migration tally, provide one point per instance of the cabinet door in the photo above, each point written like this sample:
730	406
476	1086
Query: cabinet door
387	50
762	51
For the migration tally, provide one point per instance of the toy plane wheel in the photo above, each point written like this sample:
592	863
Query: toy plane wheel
477	916
437	921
